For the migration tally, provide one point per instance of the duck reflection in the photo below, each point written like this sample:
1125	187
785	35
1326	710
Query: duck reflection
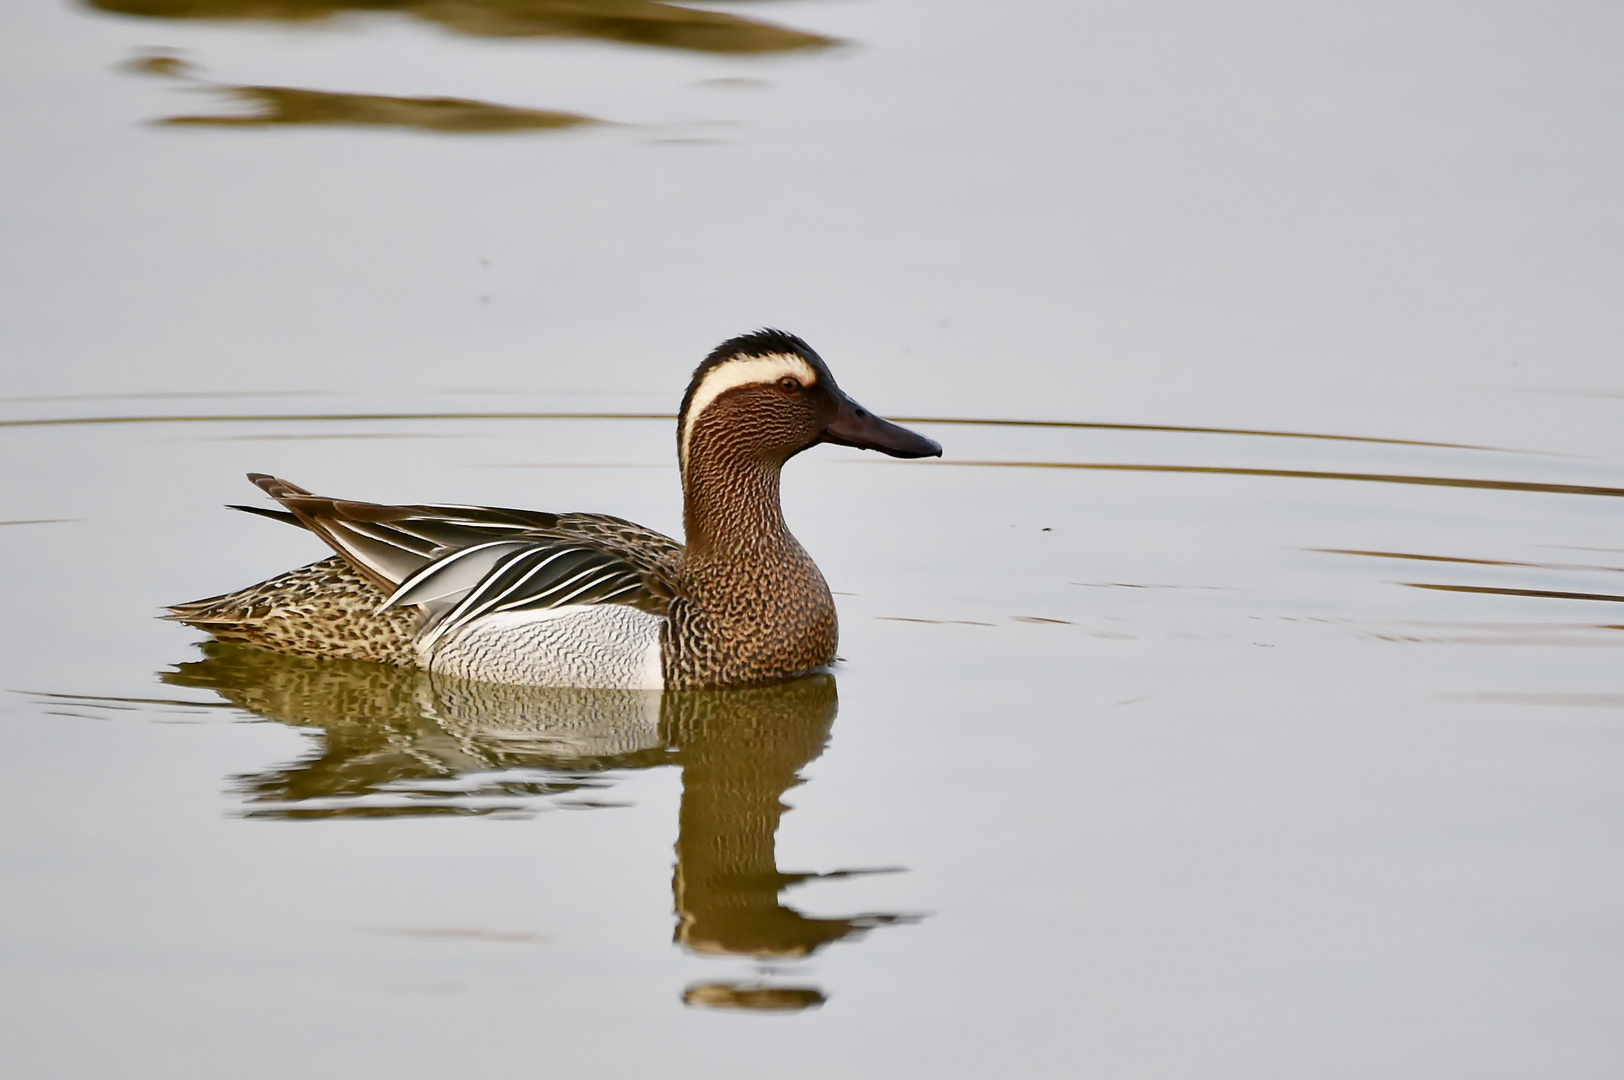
403	742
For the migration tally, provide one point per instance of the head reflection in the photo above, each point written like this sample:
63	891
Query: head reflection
403	742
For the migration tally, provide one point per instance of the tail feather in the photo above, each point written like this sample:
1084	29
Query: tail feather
275	487
324	517
267	512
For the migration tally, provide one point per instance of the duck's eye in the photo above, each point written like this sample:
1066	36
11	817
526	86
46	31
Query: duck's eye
790	384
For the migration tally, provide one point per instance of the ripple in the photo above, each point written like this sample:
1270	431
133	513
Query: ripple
1468	562
358	417
1298	474
1549	594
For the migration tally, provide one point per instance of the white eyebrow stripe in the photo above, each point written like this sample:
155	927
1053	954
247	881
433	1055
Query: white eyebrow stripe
745	371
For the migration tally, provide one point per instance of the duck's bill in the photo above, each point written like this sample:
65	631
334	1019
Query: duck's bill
856	426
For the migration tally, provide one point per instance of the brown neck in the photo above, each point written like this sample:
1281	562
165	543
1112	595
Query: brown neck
753	606
730	505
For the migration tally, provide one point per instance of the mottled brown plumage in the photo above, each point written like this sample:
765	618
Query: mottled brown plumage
328	608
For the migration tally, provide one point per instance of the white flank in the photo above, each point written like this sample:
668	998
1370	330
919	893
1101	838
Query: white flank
593	646
744	371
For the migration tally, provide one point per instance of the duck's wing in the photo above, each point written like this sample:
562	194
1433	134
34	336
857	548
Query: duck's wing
625	538
533	573
466	561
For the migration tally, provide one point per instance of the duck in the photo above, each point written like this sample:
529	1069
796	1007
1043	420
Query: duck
585	600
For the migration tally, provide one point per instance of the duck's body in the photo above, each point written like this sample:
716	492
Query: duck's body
588	600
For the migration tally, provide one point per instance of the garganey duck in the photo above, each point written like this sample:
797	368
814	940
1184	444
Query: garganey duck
587	600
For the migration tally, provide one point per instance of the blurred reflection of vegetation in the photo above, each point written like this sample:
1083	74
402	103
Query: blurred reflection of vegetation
636	22
286	105
403	742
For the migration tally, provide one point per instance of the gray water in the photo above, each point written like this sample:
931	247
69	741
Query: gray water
1239	696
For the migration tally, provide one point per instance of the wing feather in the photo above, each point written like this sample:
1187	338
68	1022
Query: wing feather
463	562
458	572
543	575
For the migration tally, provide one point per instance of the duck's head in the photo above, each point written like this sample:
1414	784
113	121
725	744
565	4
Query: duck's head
768	395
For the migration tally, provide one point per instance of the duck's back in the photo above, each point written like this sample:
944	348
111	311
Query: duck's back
496	623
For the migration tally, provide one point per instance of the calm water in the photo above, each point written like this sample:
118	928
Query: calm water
1240	696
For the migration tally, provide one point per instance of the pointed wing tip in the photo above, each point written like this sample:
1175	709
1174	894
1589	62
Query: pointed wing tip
275	487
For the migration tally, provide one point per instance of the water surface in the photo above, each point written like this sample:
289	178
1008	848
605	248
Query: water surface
1239	696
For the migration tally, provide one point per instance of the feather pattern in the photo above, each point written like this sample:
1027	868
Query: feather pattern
456	558
544	573
587	600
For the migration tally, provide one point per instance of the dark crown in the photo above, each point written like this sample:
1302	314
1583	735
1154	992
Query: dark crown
763	342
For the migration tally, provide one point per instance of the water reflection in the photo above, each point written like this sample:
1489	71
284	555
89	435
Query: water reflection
402	742
286	105
633	22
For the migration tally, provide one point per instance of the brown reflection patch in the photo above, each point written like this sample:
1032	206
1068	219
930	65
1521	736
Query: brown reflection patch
284	105
632	22
163	64
740	996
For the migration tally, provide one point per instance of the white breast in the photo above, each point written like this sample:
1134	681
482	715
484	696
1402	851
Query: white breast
592	646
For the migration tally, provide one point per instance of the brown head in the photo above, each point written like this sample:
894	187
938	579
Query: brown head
765	397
